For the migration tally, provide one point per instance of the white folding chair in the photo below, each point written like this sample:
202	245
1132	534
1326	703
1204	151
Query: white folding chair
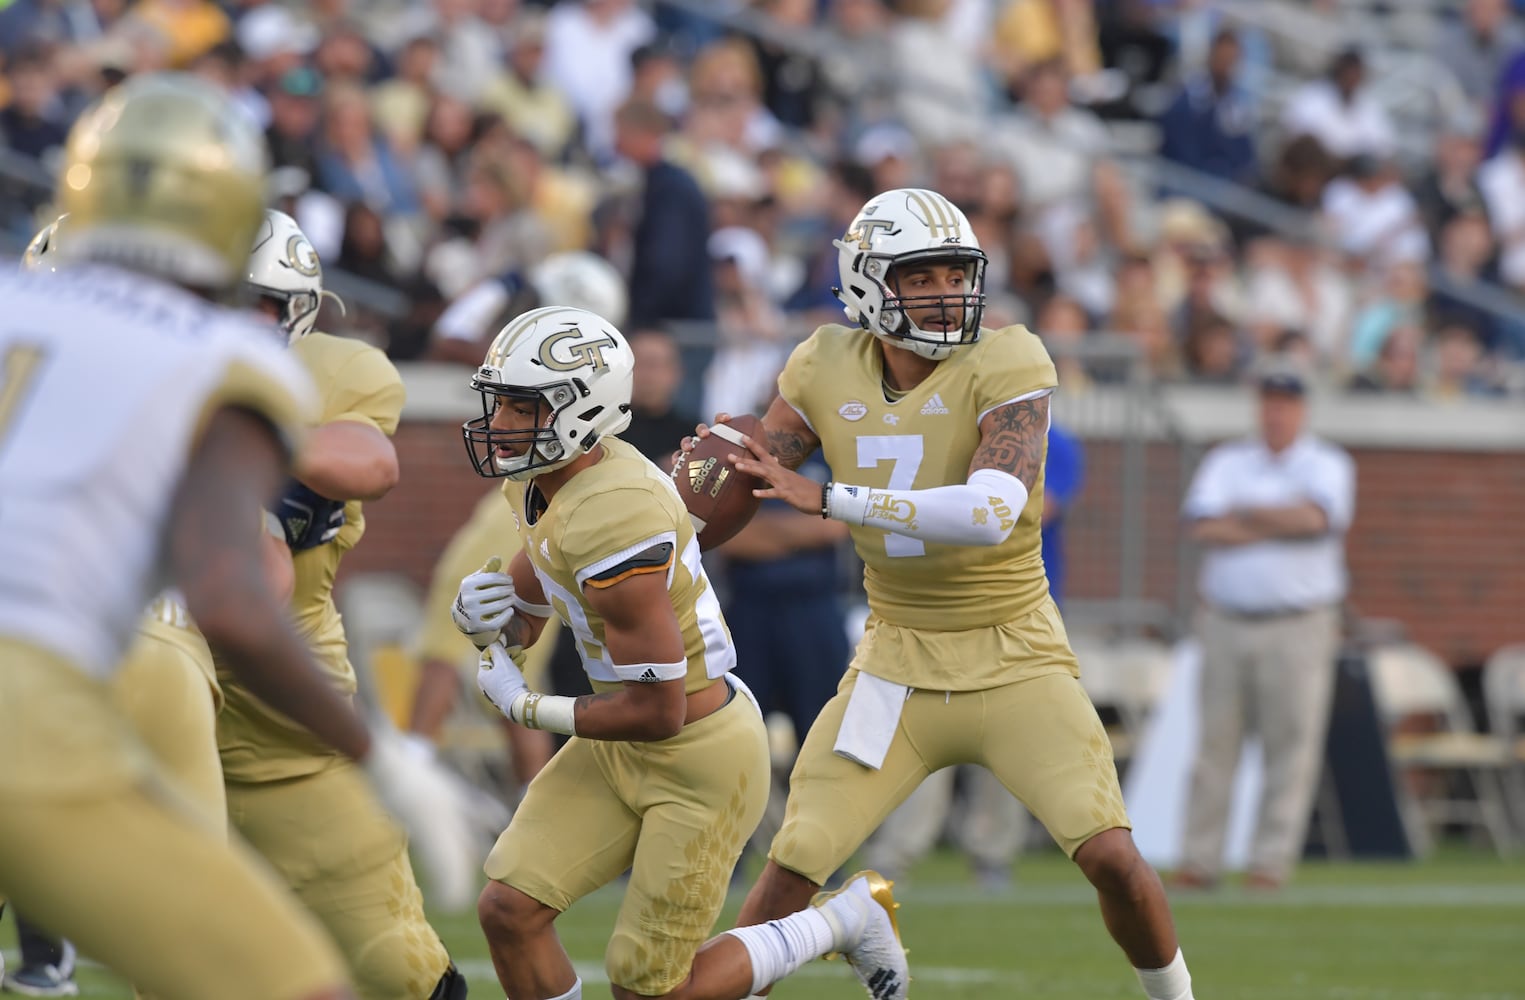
1504	693
1409	681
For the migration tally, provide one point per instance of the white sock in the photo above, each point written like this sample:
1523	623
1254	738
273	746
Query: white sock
778	947
575	993
1172	982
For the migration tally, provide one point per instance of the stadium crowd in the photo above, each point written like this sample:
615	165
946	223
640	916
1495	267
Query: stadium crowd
443	146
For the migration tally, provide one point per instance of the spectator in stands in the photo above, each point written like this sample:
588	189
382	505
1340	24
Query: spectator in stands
1063	479
1465	262
753	339
1208	127
190	27
1399	302
33	123
1063	325
656	425
1449	185
848	185
1372	216
524	97
1501	179
861	35
1341	112
670	271
1062	155
1396	366
1272	512
440	163
1293	285
292	136
588	44
1475	46
1212	352
355	163
402	103
793	82
1461	368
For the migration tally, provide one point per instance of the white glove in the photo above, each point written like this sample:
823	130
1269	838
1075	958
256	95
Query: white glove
484	603
427	799
500	679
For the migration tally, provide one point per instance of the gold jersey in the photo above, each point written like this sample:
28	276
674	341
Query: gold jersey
923	439
355	382
596	524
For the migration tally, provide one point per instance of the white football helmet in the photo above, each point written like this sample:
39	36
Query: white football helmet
284	267
901	227
575	367
581	280
42	252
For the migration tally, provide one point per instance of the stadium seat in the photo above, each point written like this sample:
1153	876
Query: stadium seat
1411	683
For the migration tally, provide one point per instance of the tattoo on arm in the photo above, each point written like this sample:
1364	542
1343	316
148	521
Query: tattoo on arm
518	632
789	448
588	701
1015	439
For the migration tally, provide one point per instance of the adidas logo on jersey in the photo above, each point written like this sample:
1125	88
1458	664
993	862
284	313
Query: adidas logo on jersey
934	405
545	550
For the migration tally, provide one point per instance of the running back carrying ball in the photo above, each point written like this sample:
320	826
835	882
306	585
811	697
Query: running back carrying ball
719	498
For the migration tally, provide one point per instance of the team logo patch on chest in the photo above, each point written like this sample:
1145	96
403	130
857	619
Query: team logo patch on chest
853	409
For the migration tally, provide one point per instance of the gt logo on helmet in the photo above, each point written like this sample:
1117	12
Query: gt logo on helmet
301	256
587	352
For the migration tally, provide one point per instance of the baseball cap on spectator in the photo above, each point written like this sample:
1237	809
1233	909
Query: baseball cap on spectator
744	248
529	28
727	174
302	81
1184	222
1281	375
884	142
271	31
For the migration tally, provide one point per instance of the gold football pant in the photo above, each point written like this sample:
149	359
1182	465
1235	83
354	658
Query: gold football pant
1040	737
167	689
94	846
347	861
676	813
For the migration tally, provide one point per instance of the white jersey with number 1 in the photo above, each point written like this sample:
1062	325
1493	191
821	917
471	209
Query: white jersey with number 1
106	380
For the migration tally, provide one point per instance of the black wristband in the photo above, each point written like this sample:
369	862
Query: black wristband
825	501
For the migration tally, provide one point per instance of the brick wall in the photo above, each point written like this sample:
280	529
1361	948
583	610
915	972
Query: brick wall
1438	541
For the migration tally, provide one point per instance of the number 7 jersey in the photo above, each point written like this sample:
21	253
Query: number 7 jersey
923	439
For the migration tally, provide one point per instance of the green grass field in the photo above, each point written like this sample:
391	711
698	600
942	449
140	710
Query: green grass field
1447	929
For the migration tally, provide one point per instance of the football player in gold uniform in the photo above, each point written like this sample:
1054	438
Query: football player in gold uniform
666	772
306	809
163	182
579	280
938	428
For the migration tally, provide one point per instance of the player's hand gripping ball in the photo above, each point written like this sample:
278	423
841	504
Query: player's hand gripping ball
718	497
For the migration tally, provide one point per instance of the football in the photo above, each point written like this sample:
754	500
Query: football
718	498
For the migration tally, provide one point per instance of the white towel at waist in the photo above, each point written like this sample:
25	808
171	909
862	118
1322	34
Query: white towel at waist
868	725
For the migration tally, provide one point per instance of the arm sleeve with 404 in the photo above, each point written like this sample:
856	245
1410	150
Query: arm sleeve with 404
308	519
